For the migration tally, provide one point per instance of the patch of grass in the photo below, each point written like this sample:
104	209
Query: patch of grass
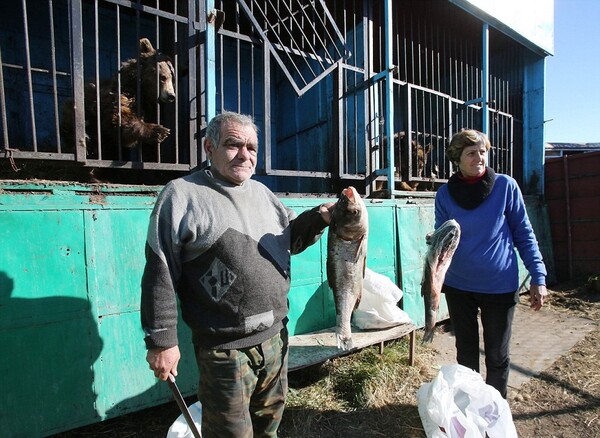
365	385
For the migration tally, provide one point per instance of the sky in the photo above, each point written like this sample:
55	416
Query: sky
573	74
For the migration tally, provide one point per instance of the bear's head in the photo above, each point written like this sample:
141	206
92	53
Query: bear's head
157	73
155	76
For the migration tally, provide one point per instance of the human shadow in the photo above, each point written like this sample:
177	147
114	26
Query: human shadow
49	346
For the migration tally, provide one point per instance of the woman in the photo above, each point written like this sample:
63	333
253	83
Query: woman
483	275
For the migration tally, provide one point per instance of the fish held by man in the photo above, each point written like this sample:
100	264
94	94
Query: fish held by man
442	245
346	259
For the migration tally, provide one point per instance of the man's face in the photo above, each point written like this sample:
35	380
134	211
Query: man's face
234	160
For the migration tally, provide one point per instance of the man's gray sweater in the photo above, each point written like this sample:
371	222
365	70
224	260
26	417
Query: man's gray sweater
224	250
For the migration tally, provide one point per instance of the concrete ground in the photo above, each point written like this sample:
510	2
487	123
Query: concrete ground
538	340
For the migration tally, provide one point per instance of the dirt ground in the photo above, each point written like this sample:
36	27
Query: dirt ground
563	401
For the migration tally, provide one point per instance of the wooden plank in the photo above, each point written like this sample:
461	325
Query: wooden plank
317	347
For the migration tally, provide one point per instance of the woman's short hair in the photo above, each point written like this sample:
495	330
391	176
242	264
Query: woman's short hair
463	139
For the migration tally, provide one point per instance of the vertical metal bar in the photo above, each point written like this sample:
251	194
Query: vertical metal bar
119	83
76	36
53	72
210	62
176	80
267	108
138	93
195	146
389	89
342	139
485	79
6	144
568	214
158	49
29	76
97	125
221	70
238	70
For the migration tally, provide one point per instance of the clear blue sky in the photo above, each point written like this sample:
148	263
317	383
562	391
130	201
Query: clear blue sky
573	73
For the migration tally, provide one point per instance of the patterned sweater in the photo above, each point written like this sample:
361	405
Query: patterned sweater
224	250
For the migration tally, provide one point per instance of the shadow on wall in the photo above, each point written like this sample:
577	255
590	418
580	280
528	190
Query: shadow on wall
49	346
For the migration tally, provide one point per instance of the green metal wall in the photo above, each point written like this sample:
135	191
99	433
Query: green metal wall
70	269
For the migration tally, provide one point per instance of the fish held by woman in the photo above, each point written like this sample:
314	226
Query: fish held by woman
346	259
442	244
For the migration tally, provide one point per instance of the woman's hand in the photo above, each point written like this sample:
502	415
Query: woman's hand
537	295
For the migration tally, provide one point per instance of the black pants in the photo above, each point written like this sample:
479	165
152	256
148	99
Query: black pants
497	312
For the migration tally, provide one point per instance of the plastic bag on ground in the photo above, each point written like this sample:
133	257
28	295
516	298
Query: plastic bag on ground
180	428
459	404
378	307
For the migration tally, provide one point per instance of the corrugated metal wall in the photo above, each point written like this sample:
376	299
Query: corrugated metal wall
573	197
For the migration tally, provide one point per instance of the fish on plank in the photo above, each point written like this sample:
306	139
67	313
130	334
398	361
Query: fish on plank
346	259
442	244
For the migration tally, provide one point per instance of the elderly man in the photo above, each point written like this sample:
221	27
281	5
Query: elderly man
221	242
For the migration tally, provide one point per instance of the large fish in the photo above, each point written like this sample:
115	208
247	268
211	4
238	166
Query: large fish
346	259
442	244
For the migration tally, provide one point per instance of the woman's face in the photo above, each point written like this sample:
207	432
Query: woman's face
472	161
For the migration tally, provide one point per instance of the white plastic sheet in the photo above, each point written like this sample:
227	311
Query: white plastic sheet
459	404
378	307
180	428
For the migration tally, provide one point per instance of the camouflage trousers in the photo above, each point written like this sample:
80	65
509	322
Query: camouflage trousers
243	391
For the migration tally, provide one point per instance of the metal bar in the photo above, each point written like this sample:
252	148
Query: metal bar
139	7
194	143
29	77
183	407
210	61
485	77
176	86
158	115
389	102
76	32
54	83
268	42
97	125
5	140
301	28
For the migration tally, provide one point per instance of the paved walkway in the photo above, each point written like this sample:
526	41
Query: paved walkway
538	340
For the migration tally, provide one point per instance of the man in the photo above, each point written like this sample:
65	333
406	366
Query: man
222	241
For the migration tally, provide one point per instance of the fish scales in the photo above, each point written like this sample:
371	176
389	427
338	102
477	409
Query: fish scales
442	244
346	259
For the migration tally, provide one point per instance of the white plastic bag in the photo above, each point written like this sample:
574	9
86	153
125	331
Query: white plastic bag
459	404
378	307
180	428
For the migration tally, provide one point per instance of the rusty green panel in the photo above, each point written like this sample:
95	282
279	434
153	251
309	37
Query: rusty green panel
46	323
123	381
310	300
381	250
115	240
38	265
414	222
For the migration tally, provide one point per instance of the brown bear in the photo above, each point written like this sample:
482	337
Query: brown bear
126	116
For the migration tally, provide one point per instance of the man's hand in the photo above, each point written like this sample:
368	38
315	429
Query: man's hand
163	361
537	295
326	210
